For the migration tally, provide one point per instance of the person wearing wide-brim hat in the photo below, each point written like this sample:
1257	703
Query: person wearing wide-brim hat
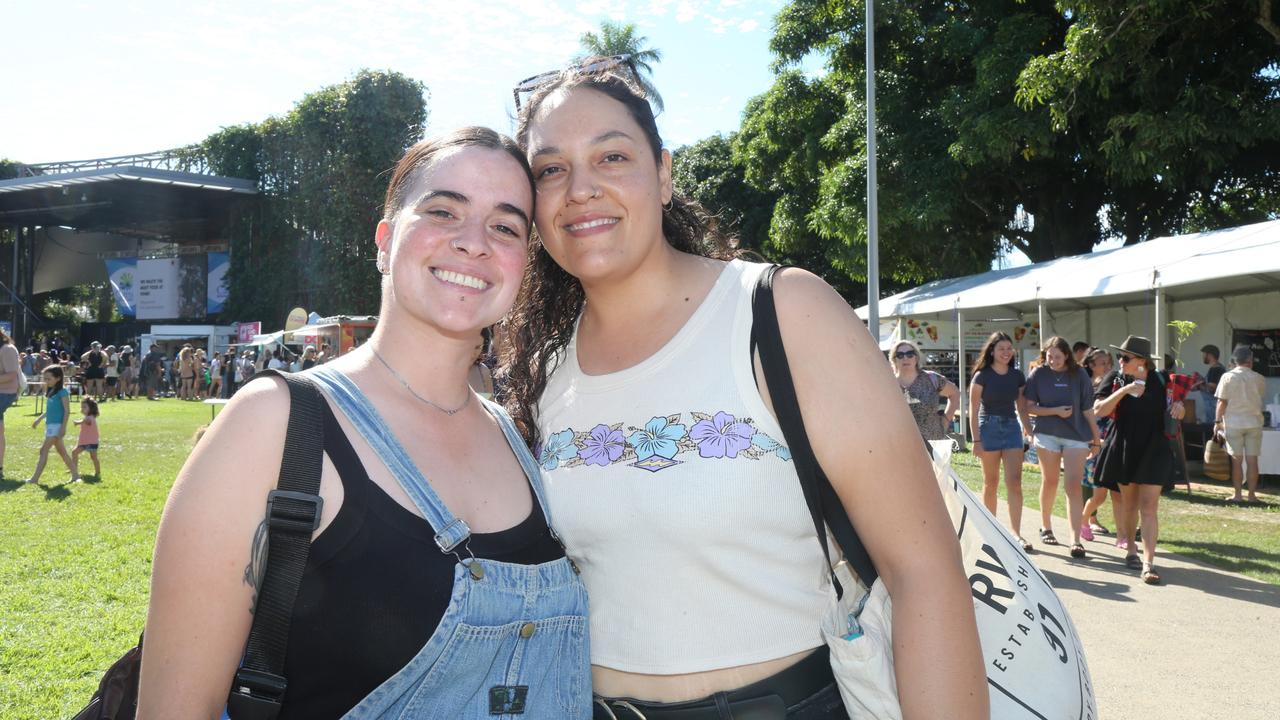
1135	458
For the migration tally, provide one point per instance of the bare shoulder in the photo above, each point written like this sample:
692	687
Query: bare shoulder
241	448
817	322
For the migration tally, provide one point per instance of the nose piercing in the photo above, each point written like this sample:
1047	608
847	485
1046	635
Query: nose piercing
595	192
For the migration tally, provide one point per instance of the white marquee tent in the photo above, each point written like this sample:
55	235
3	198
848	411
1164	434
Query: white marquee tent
1221	280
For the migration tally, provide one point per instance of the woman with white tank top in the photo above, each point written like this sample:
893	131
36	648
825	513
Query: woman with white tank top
631	373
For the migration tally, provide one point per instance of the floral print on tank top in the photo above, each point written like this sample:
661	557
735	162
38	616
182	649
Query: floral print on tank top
663	442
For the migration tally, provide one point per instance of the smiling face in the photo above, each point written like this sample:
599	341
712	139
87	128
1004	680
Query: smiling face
458	244
600	190
1003	352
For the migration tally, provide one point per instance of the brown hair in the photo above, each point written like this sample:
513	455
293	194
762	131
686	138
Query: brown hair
422	154
551	299
1092	358
985	357
1062	346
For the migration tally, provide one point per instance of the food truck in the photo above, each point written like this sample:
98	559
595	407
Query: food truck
341	333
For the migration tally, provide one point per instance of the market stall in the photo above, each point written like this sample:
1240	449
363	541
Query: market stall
1226	281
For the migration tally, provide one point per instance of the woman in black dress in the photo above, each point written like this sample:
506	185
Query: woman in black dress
1135	457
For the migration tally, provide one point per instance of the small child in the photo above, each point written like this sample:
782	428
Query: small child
88	441
57	408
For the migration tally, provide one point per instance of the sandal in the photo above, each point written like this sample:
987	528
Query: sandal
1077	551
1046	537
1098	527
1149	575
1133	562
1026	544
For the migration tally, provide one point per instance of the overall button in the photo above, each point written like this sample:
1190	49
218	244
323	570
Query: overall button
476	570
527	629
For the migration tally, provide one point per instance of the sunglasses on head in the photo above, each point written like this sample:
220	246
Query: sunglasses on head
905	354
532	84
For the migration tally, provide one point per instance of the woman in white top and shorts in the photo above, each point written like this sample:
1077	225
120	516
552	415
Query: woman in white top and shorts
631	372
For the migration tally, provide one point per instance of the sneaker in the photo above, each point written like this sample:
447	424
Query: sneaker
1086	533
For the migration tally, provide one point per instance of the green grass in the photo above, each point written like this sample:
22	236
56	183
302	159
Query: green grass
76	562
1200	525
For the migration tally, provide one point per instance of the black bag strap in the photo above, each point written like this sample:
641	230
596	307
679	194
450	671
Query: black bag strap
293	513
823	501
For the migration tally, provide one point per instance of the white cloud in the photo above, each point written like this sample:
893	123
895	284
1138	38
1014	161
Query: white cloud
748	25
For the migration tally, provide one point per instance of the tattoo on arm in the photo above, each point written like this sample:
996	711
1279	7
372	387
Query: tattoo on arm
257	567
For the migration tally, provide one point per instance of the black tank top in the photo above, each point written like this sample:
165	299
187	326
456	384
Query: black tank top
375	587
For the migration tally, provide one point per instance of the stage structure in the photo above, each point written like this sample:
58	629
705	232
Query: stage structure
151	224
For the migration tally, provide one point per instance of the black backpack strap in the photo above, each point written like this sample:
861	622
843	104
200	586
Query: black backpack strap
822	499
293	513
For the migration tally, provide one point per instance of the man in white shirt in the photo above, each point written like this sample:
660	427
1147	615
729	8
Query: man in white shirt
1239	412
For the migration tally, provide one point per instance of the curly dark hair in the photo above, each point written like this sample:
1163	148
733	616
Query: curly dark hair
550	299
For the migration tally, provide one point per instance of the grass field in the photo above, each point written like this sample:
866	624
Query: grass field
75	569
1200	525
77	557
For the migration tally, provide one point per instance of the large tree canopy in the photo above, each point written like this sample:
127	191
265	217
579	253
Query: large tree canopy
322	171
1026	123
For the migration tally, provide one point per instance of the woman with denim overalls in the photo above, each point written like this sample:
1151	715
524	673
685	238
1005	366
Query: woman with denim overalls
434	587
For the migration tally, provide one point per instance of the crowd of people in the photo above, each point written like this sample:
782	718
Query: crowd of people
186	373
1102	420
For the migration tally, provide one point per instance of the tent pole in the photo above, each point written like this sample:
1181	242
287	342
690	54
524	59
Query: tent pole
1088	326
1158	338
1044	330
964	392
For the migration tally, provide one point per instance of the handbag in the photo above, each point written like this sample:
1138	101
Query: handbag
293	509
1033	656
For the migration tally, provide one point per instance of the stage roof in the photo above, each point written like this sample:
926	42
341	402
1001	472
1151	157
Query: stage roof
134	201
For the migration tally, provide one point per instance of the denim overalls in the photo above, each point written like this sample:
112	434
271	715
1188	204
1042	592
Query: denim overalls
513	641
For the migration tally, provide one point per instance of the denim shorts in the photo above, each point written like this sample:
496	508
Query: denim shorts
6	401
1056	444
88	446
52	429
999	432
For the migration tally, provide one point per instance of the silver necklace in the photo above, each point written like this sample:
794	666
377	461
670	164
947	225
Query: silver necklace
403	382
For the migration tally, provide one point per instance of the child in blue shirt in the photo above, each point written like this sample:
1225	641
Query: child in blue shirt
57	409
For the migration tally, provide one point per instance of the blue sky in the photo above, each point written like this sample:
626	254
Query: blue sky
95	79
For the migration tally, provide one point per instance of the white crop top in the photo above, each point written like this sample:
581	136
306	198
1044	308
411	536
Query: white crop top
672	493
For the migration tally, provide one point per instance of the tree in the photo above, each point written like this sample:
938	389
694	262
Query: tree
1181	101
321	172
621	39
995	131
707	171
